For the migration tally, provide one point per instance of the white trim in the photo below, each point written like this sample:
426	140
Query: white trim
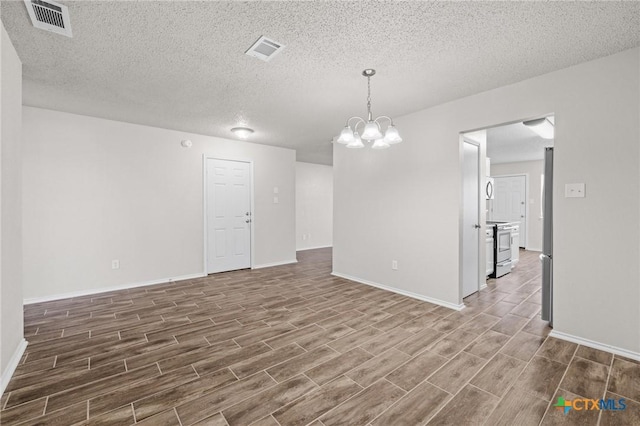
402	292
12	365
483	286
314	248
31	300
252	204
269	265
204	213
595	345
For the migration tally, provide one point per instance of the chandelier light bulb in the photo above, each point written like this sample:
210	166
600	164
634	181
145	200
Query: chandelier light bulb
380	144
346	136
371	131
391	136
356	142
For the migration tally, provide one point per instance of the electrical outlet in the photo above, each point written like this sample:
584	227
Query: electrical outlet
394	265
115	264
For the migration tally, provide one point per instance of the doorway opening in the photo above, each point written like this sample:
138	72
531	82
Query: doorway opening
516	188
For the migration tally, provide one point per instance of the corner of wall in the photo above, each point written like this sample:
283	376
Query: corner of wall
12	341
12	364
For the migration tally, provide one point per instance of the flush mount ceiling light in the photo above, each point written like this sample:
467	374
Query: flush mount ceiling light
371	129
542	126
242	132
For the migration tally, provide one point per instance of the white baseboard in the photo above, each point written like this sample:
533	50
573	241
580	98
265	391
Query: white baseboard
483	286
31	300
402	292
13	364
595	345
313	248
269	265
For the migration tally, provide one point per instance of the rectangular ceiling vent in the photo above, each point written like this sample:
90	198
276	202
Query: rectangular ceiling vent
265	49
50	16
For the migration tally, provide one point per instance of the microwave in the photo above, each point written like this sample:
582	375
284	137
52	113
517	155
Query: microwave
488	188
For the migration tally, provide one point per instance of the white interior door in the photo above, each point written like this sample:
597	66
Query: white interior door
470	219
509	203
228	198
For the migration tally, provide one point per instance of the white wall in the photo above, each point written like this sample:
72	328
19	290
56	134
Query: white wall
404	202
97	190
533	170
11	317
314	206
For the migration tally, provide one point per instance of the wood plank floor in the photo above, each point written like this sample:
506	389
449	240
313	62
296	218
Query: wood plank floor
293	345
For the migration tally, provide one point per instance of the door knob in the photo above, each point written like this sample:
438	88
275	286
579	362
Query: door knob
476	226
247	221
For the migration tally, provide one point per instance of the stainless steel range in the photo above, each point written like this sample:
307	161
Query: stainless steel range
501	248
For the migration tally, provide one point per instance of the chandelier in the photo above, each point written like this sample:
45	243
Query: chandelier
371	129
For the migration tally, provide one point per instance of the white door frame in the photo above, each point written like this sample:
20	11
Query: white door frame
526	203
205	206
481	241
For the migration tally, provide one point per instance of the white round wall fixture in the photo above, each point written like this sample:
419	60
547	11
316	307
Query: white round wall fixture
186	143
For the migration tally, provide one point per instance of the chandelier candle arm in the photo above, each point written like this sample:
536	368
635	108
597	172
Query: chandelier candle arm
372	131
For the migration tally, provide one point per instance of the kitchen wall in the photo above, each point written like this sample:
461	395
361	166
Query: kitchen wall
314	206
12	343
534	169
404	203
96	190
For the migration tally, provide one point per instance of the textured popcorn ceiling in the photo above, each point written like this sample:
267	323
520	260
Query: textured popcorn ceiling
181	65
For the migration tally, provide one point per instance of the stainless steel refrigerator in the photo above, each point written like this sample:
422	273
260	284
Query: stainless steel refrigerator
547	239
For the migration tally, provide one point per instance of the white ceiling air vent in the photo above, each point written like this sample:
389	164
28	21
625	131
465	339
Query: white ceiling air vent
265	49
50	16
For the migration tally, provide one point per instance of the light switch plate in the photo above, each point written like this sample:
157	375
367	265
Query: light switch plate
276	190
574	190
275	200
